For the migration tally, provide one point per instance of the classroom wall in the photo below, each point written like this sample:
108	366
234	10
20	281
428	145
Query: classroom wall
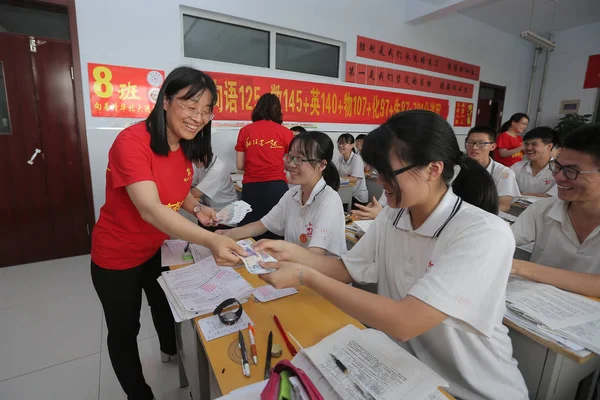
148	34
566	72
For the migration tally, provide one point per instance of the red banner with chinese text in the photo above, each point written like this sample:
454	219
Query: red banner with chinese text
463	114
592	74
315	102
123	92
389	77
391	53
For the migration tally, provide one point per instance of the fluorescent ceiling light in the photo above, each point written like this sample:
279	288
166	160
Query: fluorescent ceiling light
538	40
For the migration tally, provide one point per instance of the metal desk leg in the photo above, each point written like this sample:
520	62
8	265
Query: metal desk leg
183	382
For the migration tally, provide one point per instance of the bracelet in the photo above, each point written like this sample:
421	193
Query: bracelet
301	276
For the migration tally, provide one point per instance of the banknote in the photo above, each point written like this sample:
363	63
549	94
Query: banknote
251	262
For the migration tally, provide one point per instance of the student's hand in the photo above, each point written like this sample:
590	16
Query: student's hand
370	211
207	216
287	274
222	249
279	249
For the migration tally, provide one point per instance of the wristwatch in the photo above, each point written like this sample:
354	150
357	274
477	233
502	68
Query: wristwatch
229	317
198	208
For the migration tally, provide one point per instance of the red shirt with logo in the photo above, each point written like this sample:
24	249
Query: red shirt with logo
264	143
508	142
121	238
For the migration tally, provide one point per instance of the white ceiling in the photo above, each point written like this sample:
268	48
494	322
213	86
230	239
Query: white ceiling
513	16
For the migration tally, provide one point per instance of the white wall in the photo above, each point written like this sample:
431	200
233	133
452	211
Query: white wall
566	72
147	34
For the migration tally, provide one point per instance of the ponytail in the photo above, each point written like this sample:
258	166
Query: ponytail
475	185
514	118
315	145
331	176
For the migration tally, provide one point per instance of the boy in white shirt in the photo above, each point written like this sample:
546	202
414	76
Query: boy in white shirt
566	230
480	142
214	184
310	214
533	175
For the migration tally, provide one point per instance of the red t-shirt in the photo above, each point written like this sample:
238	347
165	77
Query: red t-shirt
121	238
265	143
508	142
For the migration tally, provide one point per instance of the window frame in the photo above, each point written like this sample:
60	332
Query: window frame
10	125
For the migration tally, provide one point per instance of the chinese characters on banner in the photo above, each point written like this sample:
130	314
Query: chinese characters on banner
463	114
315	102
592	74
123	92
389	77
387	52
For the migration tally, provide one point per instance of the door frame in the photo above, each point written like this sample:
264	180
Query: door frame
501	98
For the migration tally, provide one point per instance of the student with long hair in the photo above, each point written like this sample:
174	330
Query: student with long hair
441	264
351	166
311	214
148	180
259	153
509	148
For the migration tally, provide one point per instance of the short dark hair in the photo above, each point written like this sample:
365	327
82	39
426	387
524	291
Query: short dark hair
318	146
267	108
488	130
546	134
517	117
419	137
298	129
362	136
197	82
585	139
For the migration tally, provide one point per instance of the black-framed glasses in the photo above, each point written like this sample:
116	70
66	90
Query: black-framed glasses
480	143
194	112
404	169
569	172
297	160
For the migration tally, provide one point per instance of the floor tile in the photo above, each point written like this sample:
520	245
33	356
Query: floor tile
110	389
40	335
73	380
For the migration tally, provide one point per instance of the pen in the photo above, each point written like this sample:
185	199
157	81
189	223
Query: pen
345	371
187	247
252	343
285	338
245	365
268	356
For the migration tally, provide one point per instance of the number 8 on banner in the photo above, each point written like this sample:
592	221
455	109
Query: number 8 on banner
102	75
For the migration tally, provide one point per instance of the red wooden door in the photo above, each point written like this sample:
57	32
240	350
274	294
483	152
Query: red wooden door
43	205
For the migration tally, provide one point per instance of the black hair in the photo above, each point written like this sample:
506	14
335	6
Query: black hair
268	108
346	138
298	129
585	139
362	136
196	82
546	134
317	145
514	118
419	137
488	130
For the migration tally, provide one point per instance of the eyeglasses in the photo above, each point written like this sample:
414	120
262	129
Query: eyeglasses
569	172
288	158
401	170
480	144
194	112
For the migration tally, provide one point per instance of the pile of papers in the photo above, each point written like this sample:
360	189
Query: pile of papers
566	318
234	213
344	181
173	253
526	201
199	288
361	226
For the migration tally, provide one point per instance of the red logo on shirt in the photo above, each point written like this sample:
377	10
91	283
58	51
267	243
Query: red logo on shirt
189	175
547	181
303	238
273	144
430	264
309	229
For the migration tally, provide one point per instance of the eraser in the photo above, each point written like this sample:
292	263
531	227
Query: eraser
276	350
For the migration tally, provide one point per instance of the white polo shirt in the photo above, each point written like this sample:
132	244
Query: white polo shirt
504	178
458	262
354	167
543	182
318	223
547	223
215	183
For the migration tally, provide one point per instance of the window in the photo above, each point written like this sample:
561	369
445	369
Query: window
4	117
307	56
46	20
219	41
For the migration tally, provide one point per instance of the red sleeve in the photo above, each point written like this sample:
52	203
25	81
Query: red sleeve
289	135
129	161
503	141
239	146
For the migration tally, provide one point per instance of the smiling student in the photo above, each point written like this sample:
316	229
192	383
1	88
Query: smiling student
566	230
351	166
510	143
310	214
533	175
441	264
479	143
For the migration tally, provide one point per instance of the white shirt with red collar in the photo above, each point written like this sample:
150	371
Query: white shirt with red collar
318	223
543	182
458	262
354	167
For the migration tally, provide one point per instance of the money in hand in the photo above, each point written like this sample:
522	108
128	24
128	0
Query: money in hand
251	262
233	213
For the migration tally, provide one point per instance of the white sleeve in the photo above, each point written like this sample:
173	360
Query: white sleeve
329	226
553	191
468	281
507	185
360	260
213	179
196	178
358	167
383	200
524	227
274	221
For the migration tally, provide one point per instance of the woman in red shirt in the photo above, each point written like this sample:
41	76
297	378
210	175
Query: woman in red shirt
259	152
148	180
510	142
